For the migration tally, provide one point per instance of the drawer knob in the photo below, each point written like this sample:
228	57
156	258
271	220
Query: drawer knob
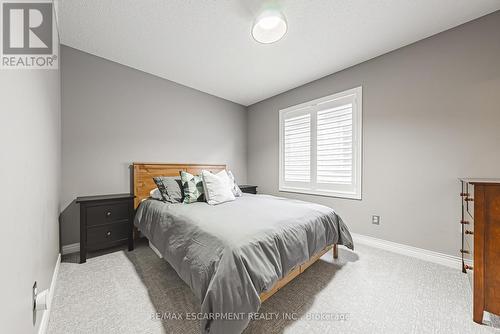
463	251
108	233
108	213
468	232
464	194
469	199
464	222
467	267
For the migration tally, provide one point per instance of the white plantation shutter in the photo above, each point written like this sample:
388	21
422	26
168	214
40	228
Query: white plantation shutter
320	146
334	145
297	136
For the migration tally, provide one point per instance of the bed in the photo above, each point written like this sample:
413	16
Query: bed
237	254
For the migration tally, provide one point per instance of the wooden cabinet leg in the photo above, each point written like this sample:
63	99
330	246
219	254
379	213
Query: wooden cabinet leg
478	315
335	251
130	244
83	254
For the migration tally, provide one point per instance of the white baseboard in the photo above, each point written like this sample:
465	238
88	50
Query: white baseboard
71	248
157	252
46	314
419	253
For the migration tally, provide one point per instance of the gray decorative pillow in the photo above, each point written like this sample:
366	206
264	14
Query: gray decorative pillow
170	188
192	185
234	187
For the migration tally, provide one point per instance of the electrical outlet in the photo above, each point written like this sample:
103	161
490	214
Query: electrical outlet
376	220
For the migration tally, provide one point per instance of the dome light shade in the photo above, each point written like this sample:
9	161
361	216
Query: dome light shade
269	27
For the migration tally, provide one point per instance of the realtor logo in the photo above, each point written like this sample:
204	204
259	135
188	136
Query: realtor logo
28	35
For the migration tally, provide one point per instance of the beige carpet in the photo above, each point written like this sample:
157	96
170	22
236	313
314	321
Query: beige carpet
367	291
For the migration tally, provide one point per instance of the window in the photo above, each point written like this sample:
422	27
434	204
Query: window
320	146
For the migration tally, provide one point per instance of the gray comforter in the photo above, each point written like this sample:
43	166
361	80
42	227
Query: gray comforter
230	253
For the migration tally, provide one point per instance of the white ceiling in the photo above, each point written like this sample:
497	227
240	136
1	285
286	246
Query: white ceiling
207	44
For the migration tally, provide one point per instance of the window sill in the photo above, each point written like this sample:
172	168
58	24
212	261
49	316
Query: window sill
321	193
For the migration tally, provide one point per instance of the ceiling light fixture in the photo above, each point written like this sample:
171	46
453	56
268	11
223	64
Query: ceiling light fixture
269	27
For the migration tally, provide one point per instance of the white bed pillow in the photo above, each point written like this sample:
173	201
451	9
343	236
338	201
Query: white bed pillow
217	187
155	193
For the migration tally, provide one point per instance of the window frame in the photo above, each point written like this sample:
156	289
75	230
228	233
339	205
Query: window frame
357	127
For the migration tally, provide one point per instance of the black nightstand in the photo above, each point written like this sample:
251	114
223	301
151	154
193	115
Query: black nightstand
105	221
248	189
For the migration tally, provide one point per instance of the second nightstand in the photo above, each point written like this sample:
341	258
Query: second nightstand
105	221
248	189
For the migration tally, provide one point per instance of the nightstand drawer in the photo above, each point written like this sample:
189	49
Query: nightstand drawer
101	235
107	213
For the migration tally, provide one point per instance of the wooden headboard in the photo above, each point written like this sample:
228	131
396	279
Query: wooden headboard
143	174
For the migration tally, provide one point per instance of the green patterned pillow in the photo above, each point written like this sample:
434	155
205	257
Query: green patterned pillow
193	188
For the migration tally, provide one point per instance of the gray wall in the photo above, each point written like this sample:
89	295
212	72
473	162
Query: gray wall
113	115
30	139
431	113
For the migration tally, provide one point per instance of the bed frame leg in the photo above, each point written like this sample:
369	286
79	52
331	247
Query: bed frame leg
335	251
